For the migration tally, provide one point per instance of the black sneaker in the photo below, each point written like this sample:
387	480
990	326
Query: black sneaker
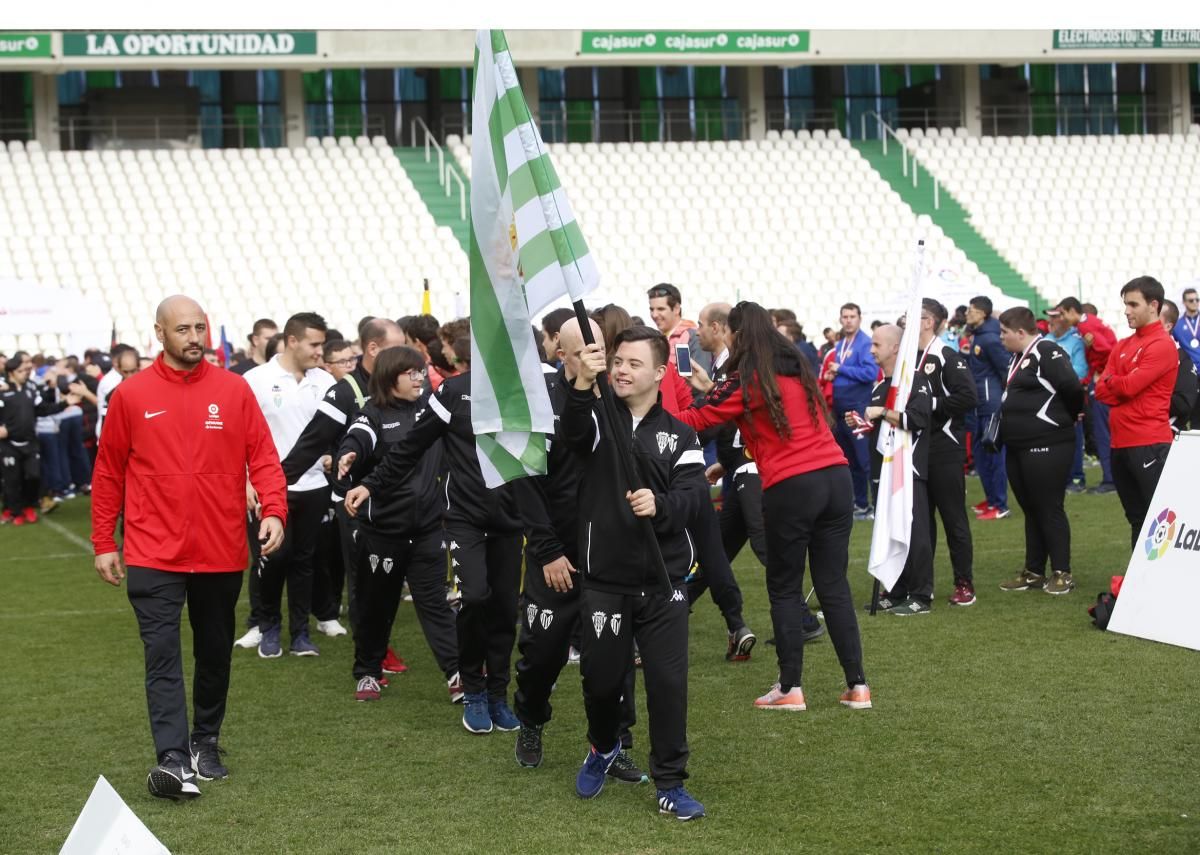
172	779
739	645
529	746
812	631
206	759
624	769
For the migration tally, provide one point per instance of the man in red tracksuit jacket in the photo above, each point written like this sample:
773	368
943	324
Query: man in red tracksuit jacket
179	440
1137	384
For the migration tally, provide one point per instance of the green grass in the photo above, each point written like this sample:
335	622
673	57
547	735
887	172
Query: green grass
1011	726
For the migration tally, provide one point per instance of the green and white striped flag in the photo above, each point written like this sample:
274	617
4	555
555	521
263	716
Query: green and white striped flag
526	251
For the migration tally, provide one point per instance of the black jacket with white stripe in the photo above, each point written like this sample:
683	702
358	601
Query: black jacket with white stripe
916	418
465	496
1042	400
954	395
399	509
328	425
612	547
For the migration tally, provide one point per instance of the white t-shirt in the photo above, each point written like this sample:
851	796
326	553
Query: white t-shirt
289	406
104	388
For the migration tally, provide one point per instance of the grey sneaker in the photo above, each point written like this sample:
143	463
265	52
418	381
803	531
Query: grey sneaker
1024	581
624	769
910	606
1060	583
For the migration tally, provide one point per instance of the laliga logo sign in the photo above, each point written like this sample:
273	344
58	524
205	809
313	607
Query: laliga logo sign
1162	536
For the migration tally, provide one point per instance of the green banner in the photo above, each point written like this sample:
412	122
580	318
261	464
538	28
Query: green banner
1141	39
302	43
694	41
24	45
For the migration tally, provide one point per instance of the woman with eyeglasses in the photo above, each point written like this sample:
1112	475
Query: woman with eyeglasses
1041	401
808	497
400	528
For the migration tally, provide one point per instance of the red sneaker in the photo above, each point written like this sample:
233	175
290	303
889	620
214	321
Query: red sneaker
981	508
6	517
994	514
393	664
19	520
455	686
367	689
31	515
964	595
383	682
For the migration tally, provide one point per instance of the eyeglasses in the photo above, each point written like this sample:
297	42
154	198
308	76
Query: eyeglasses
349	361
415	376
1192	300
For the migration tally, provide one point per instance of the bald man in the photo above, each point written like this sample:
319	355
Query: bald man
179	439
550	600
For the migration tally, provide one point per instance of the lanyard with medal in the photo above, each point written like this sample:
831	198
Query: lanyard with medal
1018	364
1192	325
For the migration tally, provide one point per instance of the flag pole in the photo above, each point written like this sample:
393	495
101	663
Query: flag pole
624	451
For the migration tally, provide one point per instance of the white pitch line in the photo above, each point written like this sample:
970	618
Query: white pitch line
43	557
69	535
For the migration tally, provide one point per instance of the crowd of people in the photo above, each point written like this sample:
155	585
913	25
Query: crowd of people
344	470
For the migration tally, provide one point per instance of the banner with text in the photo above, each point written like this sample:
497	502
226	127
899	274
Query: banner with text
694	41
1162	585
1137	39
24	45
153	44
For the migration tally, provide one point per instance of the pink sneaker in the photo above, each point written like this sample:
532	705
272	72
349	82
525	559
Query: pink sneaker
777	699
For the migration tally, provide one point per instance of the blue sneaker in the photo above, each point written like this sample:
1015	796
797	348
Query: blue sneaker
476	717
302	646
590	780
679	802
268	645
502	715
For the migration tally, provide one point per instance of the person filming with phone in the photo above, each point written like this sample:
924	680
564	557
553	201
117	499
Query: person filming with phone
179	440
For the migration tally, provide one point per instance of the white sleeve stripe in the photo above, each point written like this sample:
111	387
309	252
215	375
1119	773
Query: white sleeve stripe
332	411
439	408
692	455
596	439
365	428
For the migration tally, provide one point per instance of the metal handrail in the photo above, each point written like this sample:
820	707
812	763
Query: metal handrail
462	191
884	131
429	138
165	128
1098	119
621	125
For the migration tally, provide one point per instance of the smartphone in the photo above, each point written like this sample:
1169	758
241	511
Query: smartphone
683	360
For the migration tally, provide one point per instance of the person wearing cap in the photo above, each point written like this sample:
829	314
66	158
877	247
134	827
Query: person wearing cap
1099	341
1068	338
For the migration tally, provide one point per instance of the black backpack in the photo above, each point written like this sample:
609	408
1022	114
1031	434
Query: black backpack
1102	609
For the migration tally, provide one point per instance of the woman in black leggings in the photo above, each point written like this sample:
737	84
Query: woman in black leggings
1042	400
807	495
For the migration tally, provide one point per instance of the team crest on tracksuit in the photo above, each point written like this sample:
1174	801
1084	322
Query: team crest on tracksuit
547	618
598	621
374	561
531	611
615	624
666	440
387	565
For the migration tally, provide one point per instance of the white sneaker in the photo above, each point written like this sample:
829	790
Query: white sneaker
250	639
331	628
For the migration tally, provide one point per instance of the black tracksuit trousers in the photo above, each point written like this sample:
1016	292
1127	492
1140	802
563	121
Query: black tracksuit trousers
1038	477
329	571
488	567
20	474
715	574
1136	471
948	499
293	563
157	597
386	562
811	515
550	621
611	622
916	579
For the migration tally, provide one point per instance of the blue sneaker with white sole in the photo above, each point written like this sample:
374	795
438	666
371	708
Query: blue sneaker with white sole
476	717
302	646
679	802
268	645
503	718
590	780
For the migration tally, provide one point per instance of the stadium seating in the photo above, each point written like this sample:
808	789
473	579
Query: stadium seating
798	220
1079	215
335	226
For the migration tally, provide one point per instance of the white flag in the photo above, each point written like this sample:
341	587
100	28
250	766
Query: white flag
892	531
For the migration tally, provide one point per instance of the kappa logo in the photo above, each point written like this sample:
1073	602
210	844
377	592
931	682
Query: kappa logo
677	597
387	565
666	440
547	618
614	624
454	544
531	611
1056	355
598	620
374	561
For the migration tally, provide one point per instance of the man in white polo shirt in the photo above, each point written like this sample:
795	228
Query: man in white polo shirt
289	388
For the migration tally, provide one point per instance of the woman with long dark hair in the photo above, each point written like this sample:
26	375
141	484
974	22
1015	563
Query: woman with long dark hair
808	496
1042	399
400	527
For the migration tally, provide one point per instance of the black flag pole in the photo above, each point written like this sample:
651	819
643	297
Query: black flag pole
624	449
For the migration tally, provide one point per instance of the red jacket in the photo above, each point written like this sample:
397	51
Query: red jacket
1137	384
810	447
174	457
676	392
1099	341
